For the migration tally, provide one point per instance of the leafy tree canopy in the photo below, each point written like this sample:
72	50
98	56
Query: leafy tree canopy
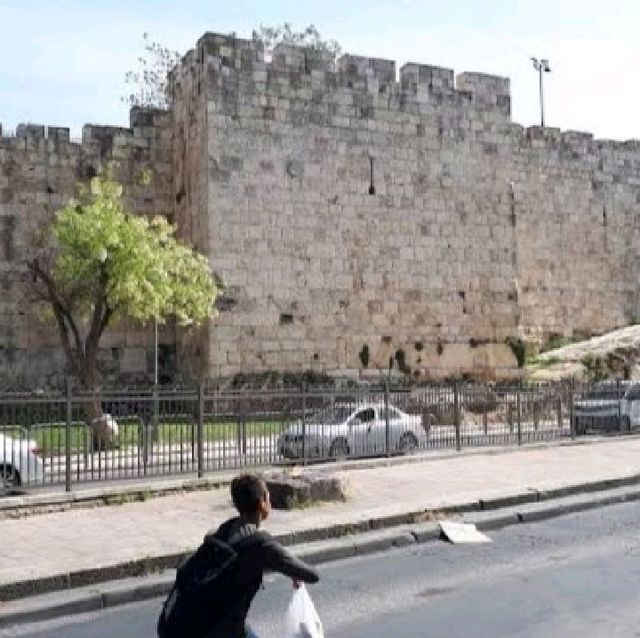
104	264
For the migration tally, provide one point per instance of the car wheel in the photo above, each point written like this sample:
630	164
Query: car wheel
339	449
408	442
9	476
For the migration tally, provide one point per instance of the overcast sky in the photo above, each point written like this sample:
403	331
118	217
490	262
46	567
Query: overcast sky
62	62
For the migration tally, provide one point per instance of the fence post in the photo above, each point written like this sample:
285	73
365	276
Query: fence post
572	421
67	439
387	430
619	399
242	431
519	412
200	428
155	416
456	415
304	422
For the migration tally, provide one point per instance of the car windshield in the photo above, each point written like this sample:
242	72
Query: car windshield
604	394
331	416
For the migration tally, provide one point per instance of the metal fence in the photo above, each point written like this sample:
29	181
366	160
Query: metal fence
73	438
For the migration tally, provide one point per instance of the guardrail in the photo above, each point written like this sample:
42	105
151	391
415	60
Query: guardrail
72	438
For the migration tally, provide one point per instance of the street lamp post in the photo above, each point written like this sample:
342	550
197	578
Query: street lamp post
541	66
155	351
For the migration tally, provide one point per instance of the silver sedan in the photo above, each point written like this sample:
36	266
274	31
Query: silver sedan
349	430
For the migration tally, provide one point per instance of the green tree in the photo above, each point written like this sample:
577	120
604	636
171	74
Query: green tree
98	264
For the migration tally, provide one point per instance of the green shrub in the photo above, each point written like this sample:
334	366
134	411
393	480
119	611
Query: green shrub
596	368
519	349
556	341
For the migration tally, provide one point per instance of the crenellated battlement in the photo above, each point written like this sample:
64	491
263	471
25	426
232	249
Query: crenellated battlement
416	77
235	74
144	123
227	65
37	132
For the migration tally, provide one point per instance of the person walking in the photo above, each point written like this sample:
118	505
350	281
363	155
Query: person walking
231	561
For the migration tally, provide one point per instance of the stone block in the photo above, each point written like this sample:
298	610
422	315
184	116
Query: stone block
289	491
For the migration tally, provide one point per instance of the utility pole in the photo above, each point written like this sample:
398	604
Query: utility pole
155	351
541	66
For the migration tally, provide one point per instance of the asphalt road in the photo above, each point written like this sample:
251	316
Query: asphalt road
574	576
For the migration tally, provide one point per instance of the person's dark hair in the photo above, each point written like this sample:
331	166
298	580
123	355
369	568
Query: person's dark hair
247	491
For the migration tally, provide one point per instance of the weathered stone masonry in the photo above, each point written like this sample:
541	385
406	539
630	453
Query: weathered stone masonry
355	217
39	167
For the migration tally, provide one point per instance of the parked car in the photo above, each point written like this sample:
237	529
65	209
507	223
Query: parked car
19	463
614	407
346	429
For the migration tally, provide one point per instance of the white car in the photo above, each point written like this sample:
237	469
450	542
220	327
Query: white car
608	406
19	463
351	430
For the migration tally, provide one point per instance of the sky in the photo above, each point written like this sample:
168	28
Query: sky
62	62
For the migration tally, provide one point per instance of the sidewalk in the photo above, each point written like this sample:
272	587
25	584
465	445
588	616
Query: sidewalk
48	546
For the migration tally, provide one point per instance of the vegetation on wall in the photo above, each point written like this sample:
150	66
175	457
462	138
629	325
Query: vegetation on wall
149	85
596	368
519	349
364	355
556	341
309	38
401	360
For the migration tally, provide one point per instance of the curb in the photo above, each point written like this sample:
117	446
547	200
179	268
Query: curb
21	506
109	595
154	564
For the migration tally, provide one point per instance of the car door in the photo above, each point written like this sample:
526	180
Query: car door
396	424
632	407
377	441
360	426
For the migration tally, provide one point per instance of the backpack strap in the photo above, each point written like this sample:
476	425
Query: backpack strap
248	541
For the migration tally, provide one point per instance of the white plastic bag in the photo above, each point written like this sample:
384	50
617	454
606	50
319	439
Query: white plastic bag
302	618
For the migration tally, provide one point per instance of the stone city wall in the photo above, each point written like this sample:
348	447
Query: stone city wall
357	217
39	167
354	213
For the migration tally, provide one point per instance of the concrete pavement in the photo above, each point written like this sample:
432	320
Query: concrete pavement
81	546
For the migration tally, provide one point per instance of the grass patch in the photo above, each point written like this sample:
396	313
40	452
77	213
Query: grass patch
51	438
556	341
544	363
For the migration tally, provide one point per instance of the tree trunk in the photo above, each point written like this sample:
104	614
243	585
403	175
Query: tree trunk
101	433
81	354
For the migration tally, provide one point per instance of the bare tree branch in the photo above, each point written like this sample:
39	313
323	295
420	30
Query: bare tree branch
100	316
61	311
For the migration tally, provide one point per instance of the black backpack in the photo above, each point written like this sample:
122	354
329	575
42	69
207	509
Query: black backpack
204	591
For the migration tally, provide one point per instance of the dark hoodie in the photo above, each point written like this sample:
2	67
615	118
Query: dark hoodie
255	558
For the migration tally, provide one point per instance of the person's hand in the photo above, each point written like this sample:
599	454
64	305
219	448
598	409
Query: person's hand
296	584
